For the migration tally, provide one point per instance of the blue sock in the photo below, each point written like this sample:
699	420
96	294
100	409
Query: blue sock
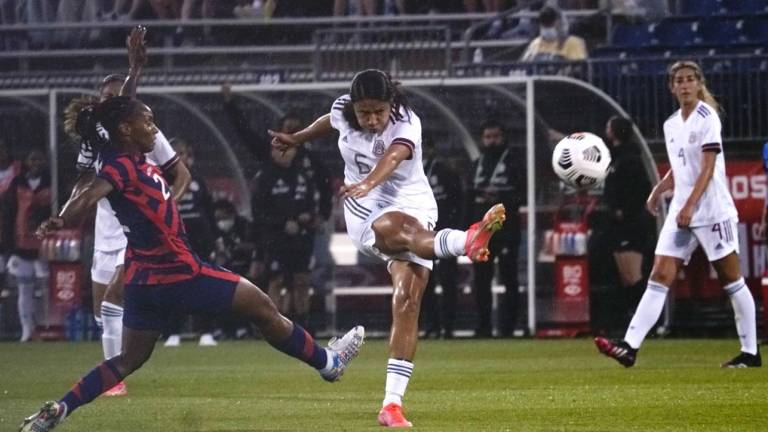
102	378
302	346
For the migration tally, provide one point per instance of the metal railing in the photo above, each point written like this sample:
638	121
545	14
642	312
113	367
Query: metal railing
423	51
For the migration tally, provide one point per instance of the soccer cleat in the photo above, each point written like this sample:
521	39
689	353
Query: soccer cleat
344	350
479	234
617	350
50	415
392	416
744	360
173	341
207	340
118	390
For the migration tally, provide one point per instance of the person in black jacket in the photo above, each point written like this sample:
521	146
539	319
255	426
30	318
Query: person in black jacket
497	176
630	226
258	143
447	188
285	219
196	211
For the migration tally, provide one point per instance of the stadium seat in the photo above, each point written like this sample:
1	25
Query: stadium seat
700	8
744	7
756	30
632	35
676	33
718	32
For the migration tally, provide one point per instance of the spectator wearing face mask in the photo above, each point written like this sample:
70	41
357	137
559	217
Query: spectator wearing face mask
233	249
554	43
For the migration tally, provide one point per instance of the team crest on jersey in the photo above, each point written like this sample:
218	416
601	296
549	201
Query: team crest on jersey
378	147
692	138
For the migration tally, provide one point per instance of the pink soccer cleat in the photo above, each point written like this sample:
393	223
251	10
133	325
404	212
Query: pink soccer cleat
392	416
118	390
479	234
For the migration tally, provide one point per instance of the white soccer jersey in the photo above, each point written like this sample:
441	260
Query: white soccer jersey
408	185
686	140
108	232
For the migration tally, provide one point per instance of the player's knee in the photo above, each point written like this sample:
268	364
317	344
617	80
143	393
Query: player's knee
663	276
386	227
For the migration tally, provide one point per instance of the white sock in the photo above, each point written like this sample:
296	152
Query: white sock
647	313
26	304
744	314
398	374
329	362
450	243
112	336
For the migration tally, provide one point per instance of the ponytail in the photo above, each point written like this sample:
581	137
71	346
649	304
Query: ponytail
72	111
704	94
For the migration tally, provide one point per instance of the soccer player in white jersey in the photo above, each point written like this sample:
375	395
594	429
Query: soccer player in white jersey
390	210
109	239
702	213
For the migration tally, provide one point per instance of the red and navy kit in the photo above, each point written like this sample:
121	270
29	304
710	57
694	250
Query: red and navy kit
158	251
163	277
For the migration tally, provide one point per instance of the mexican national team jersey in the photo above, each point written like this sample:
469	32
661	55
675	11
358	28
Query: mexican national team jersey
158	251
108	232
407	186
686	140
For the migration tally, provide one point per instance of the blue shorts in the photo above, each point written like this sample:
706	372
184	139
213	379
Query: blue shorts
149	307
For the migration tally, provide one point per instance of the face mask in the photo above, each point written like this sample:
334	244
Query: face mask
225	224
548	33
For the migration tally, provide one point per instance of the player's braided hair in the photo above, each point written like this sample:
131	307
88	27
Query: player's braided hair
704	93
377	85
97	125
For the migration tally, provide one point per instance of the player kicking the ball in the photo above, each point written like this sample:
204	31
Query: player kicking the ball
390	210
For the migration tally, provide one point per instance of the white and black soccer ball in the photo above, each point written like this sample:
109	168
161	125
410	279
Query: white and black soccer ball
581	160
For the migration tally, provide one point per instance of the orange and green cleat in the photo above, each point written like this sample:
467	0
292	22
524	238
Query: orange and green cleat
479	234
392	416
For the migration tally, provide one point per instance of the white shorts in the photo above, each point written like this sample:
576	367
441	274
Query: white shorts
27	268
718	240
360	213
104	264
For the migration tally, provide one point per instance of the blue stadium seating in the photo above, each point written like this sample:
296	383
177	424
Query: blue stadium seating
632	35
756	30
701	8
745	7
722	31
676	33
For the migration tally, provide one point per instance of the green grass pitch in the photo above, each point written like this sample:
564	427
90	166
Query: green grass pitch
462	385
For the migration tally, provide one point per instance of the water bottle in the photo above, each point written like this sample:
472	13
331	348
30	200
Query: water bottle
477	56
581	243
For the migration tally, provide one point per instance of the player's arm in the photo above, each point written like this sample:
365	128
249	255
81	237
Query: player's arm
75	208
707	171
181	179
388	163
137	58
319	128
666	183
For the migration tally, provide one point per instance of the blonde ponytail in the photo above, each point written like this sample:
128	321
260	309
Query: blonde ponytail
73	110
704	94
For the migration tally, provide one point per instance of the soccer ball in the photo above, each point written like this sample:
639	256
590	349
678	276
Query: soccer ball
581	160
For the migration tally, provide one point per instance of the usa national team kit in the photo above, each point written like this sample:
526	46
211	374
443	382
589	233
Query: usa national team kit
162	274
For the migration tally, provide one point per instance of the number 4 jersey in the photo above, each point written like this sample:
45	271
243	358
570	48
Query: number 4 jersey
686	141
158	251
361	150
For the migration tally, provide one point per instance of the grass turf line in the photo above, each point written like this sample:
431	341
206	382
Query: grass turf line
462	385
